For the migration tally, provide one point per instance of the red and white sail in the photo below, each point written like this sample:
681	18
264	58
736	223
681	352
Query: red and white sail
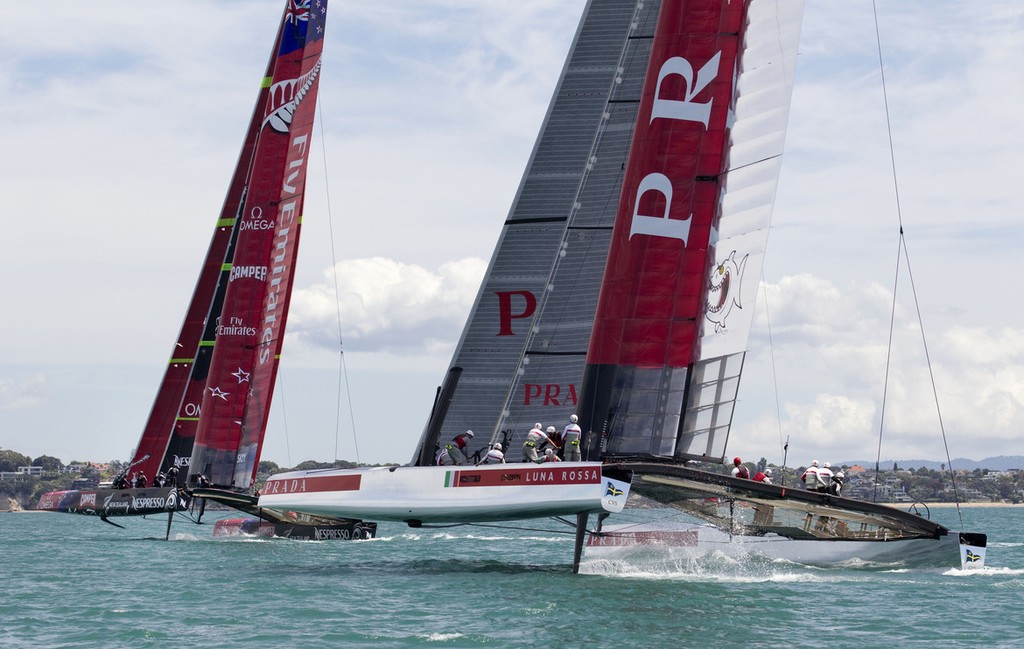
663	362
250	325
170	430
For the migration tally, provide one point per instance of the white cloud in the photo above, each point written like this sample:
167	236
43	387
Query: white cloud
22	393
830	353
122	127
387	306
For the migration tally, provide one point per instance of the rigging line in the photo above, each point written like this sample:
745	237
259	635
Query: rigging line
931	375
775	378
910	275
888	360
284	416
888	121
342	368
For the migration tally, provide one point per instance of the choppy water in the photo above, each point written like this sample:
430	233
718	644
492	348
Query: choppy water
71	581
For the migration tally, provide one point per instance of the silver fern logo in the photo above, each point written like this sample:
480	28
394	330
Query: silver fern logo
285	97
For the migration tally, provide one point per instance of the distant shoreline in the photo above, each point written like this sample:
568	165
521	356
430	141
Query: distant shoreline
966	505
900	506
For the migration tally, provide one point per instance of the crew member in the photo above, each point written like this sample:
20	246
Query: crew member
550	455
765	476
533	443
571	440
824	478
494	455
836	488
443	459
456	449
739	470
810	476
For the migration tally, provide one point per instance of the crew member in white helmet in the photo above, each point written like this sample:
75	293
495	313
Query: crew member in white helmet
533	443
810	476
457	447
836	488
763	476
571	440
494	455
551	439
824	477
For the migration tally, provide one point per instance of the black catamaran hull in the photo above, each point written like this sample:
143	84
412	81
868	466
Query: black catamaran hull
115	502
266	522
347	531
741	517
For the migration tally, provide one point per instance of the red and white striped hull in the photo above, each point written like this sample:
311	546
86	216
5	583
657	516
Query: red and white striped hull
446	494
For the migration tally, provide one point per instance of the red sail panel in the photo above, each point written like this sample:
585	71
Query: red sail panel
649	311
168	435
250	329
651	298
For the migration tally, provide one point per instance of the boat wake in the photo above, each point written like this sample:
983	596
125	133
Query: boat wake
988	571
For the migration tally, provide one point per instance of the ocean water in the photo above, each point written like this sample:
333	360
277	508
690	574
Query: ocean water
70	581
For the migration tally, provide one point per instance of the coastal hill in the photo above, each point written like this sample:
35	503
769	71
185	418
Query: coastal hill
997	463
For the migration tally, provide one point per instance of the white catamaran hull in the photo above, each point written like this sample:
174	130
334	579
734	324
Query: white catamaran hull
696	541
448	494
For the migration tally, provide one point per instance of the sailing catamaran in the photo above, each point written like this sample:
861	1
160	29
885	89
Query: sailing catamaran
639	227
224	362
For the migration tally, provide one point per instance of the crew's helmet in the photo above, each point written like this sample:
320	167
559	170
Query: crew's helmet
737	461
573	419
469	434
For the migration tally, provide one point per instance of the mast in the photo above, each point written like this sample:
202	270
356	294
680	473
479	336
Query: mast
170	429
521	354
250	324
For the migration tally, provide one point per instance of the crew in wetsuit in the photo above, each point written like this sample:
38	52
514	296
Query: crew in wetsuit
443	458
494	455
456	448
533	443
571	440
836	488
824	478
810	477
739	470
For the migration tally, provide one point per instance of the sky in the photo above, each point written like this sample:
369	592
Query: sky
122	124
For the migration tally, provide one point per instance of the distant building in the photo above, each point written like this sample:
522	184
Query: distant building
31	470
88	482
